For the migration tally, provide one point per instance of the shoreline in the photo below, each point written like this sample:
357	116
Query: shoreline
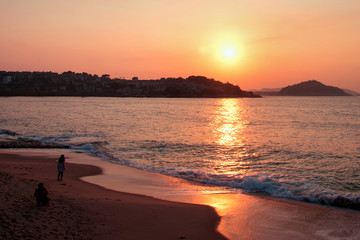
243	216
81	210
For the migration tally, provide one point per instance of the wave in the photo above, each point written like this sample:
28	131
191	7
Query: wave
265	184
248	184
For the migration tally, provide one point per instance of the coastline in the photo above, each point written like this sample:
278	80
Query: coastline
81	210
243	216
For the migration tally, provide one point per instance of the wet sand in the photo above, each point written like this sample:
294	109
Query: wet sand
243	216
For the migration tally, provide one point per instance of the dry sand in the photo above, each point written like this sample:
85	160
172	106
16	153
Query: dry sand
80	210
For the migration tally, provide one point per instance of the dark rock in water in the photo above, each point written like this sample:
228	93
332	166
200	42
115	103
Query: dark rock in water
8	132
29	144
312	88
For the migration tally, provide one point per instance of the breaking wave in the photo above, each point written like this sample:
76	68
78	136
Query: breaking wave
275	188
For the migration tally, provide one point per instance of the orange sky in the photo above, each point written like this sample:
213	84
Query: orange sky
270	43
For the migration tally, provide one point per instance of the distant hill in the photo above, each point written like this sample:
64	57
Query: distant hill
312	88
84	84
266	91
353	93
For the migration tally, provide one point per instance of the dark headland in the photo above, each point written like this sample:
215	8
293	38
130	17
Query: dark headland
307	88
312	88
84	84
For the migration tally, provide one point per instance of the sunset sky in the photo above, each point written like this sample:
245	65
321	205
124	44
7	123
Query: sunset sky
252	43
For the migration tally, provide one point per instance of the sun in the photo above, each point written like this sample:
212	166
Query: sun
229	52
224	50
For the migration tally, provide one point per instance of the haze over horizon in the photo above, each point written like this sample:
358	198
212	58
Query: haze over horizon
254	44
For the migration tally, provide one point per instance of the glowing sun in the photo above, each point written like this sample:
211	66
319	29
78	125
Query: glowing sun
229	52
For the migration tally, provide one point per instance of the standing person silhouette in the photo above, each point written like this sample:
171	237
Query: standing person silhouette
61	167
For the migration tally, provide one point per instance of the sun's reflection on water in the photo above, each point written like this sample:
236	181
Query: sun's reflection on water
229	122
229	125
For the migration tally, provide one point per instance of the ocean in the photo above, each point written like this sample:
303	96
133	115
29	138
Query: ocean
300	148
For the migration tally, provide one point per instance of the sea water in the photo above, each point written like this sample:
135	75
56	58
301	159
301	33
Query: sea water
302	148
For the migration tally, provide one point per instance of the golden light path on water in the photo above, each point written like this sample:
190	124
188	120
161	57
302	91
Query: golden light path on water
228	131
231	124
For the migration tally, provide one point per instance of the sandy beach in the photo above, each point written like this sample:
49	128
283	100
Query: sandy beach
91	203
80	210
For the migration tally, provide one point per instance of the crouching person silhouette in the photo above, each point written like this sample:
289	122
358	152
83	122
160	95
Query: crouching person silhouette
41	195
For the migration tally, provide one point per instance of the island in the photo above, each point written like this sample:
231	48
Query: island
312	88
84	84
307	88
